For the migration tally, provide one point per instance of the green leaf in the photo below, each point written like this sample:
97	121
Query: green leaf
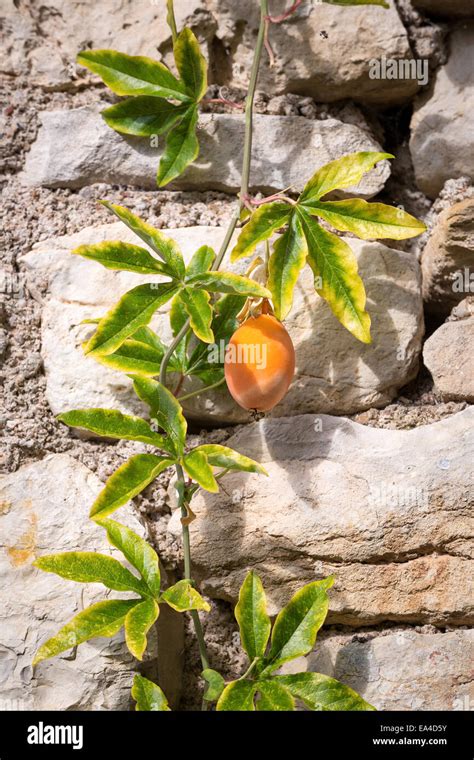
321	692
128	481
91	567
333	262
138	622
274	697
181	149
382	3
191	64
101	619
201	261
148	696
136	550
133	74
113	424
296	626
238	697
198	306
166	248
215	685
227	282
284	266
136	358
143	116
182	596
368	221
343	172
134	310
165	409
261	226
196	465
252	617
122	256
228	459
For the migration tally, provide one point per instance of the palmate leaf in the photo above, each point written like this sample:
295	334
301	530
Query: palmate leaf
143	116
101	619
92	567
285	264
334	264
261	226
165	409
252	617
199	309
196	465
133	75
341	173
134	310
111	423
148	695
368	221
181	148
166	248
296	626
138	622
228	459
128	481
182	597
123	256
191	64
320	692
136	550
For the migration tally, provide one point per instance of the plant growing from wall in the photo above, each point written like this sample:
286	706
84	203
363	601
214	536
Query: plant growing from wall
207	306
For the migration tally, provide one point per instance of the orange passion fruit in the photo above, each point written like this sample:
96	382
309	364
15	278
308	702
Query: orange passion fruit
259	363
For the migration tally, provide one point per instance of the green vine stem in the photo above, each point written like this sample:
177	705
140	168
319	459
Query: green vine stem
220	256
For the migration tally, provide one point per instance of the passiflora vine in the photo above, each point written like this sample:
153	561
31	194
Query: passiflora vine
208	306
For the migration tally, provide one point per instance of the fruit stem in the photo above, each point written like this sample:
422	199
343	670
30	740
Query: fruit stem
201	390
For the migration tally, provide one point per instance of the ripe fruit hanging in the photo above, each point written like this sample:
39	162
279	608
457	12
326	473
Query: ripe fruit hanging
259	363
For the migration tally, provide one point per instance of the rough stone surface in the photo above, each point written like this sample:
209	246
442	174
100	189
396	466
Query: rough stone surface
400	670
448	258
44	509
386	511
315	52
44	42
449	357
442	142
335	372
76	148
446	9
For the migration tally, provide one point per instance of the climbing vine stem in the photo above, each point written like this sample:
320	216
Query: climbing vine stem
244	188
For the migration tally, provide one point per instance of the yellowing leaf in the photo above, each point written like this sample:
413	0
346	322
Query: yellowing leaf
128	481
181	149
191	64
286	262
225	457
113	424
196	465
337	280
123	256
182	597
238	697
198	306
274	697
343	172
148	696
143	116
261	226
252	617
101	619
138	622
136	550
91	567
368	221
165	408
320	692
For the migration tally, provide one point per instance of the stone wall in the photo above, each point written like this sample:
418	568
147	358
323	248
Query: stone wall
370	453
